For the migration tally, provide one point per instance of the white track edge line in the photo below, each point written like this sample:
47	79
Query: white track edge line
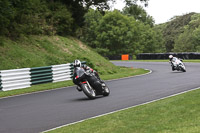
121	109
72	86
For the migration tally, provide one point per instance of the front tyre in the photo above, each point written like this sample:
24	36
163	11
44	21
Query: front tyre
89	92
106	90
183	70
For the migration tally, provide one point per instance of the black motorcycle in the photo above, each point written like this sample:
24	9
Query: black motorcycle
90	84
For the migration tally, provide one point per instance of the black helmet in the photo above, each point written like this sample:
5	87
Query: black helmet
77	63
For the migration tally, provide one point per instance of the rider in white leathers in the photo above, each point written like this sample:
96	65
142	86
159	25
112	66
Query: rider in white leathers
171	60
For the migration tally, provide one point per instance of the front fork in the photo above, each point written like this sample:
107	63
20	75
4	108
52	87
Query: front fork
88	84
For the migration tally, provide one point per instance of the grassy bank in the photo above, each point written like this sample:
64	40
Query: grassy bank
177	114
36	51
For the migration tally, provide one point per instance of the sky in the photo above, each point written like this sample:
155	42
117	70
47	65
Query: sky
163	10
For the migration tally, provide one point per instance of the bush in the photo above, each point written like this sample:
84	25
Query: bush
34	17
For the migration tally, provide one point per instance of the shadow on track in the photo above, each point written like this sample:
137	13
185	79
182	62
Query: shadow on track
177	72
86	99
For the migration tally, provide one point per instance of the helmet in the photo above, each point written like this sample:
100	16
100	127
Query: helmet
77	63
170	56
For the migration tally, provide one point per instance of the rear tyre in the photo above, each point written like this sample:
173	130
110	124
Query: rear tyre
89	92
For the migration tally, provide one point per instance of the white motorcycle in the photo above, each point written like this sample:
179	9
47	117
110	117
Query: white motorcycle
178	65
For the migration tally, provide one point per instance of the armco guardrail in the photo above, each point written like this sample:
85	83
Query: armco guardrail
149	56
26	77
15	79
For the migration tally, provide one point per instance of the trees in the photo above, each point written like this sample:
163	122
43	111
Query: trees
92	19
134	2
182	33
79	8
21	17
63	17
139	14
151	40
6	15
34	17
60	19
196	37
189	41
173	29
117	33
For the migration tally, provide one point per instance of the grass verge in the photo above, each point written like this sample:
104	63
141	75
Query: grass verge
122	72
177	114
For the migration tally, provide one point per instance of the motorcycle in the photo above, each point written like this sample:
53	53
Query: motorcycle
90	84
178	65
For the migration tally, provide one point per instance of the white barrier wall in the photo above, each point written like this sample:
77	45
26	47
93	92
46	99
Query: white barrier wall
62	72
15	79
23	78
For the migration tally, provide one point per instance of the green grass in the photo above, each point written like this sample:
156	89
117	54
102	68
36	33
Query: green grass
177	114
36	51
122	72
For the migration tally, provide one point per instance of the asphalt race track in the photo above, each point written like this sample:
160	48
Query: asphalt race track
42	111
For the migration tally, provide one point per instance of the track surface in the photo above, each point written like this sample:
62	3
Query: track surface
38	112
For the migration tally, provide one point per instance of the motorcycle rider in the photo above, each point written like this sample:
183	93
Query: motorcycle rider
171	59
77	63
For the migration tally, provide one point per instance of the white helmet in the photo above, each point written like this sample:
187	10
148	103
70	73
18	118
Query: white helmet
77	63
170	56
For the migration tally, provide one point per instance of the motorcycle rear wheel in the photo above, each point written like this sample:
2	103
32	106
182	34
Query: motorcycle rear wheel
89	92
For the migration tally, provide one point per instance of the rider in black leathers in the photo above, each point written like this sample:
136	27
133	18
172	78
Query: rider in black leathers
76	81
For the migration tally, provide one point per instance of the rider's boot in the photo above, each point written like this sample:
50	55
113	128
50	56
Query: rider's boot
78	88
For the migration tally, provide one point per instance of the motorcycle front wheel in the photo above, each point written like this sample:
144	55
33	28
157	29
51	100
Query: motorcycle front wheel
106	90
89	92
183	70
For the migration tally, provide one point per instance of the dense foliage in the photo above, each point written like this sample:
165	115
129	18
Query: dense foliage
34	17
130	31
127	32
189	40
182	33
46	17
139	14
